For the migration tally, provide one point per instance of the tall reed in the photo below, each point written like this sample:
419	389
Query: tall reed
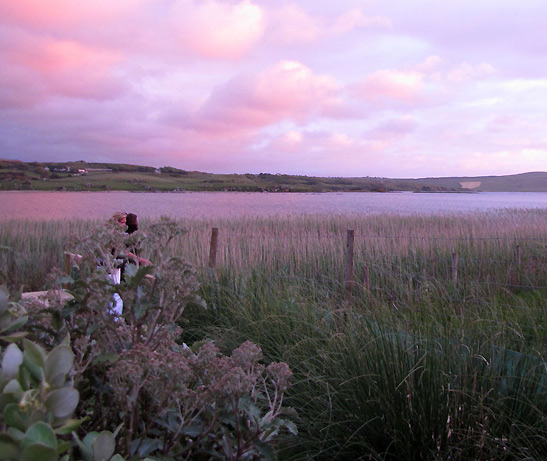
412	365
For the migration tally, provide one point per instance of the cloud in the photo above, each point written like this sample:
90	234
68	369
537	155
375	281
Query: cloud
466	72
211	29
219	30
287	89
393	129
39	70
391	85
292	24
432	81
219	85
55	14
355	19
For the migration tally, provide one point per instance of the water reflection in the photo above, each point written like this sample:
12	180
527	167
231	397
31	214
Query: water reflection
99	205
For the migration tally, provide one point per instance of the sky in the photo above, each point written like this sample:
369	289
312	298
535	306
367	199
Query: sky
389	88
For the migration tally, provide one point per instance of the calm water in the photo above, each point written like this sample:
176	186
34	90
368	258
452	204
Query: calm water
94	205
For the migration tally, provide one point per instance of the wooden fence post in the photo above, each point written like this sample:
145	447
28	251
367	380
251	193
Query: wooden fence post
366	277
349	263
213	249
455	268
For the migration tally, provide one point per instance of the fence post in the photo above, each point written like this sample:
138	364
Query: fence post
213	252
455	268
366	277
349	263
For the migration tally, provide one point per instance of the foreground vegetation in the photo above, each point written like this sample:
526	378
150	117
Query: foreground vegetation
414	365
124	374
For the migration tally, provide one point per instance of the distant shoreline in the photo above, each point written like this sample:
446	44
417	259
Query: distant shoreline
104	177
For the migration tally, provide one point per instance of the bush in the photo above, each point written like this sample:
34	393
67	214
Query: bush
136	377
38	399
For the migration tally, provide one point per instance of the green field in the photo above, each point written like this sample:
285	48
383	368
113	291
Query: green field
84	176
415	364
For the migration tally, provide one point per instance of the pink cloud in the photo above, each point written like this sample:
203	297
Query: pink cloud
286	90
466	72
355	19
58	68
219	30
64	13
395	85
293	24
210	29
430	82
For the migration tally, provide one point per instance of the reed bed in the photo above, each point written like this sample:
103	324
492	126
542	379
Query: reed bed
412	365
505	248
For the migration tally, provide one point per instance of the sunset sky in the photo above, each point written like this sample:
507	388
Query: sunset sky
392	88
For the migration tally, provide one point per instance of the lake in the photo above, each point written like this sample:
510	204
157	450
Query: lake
100	205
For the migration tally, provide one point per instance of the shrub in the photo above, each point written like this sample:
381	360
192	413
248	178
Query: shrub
37	398
134	375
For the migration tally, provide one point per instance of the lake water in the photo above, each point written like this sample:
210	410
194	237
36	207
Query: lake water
99	205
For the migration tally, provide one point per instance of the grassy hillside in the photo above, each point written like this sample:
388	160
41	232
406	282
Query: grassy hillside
84	176
524	182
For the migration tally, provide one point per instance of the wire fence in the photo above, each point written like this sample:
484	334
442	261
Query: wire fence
503	262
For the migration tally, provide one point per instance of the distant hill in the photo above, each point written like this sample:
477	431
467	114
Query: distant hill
89	176
524	182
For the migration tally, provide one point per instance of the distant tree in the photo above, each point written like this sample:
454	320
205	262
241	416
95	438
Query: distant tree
172	170
42	172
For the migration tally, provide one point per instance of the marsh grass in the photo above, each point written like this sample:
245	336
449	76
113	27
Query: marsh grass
412	366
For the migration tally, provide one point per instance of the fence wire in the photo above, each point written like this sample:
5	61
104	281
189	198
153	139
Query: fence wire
516	258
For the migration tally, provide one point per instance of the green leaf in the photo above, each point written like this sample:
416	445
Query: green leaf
13	417
146	446
88	440
69	426
62	402
84	450
248	406
106	358
16	434
58	365
135	280
39	452
193	430
34	359
103	446
18	323
14	337
118	458
291	427
265	450
5	399
35	416
63	446
13	358
9	448
13	387
40	433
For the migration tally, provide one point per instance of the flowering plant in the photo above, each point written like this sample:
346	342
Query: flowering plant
135	376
